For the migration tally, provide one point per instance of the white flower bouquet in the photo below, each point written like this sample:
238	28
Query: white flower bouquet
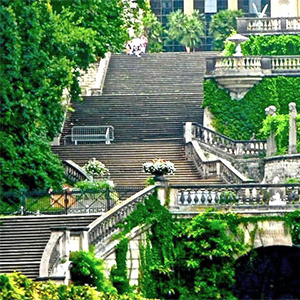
159	166
96	168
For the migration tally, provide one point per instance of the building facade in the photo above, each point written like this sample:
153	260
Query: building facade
275	8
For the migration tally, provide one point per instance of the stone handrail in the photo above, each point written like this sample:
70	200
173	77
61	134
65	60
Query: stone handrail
106	225
51	255
259	65
237	195
101	74
250	26
74	172
213	168
253	148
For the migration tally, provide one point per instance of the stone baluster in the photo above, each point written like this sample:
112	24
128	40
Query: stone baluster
292	128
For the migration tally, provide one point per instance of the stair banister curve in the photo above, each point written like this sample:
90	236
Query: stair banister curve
106	225
74	172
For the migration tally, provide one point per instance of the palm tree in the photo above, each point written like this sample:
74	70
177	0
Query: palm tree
186	29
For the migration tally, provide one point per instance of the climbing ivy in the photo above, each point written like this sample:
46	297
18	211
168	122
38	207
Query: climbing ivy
183	258
239	119
191	259
118	274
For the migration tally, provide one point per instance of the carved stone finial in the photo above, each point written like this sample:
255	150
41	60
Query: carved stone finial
271	110
292	108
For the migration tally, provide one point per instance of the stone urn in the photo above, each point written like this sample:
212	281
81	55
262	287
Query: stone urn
159	176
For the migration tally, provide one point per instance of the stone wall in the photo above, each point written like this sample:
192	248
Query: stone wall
280	168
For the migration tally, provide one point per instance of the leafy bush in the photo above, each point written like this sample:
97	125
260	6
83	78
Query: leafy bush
87	269
279	126
240	119
272	45
221	26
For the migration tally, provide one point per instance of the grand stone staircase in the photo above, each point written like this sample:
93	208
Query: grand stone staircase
147	100
23	240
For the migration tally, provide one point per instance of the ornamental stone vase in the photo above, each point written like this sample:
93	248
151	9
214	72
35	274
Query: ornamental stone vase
158	176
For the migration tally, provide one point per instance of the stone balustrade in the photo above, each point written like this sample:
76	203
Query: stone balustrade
241	148
107	224
252	65
252	26
237	195
74	172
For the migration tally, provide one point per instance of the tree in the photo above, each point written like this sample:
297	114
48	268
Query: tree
42	49
153	30
186	29
221	26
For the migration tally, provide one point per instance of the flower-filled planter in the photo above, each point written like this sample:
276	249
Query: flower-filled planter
96	169
159	167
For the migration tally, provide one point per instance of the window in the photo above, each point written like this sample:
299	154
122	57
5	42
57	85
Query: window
210	6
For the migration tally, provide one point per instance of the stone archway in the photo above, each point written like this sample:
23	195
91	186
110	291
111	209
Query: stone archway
269	273
267	233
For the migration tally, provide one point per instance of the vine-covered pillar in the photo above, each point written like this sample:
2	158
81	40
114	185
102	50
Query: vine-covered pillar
271	142
292	128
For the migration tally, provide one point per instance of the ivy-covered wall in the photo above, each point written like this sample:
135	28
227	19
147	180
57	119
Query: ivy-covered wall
191	259
239	119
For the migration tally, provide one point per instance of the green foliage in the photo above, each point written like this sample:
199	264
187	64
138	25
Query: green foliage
94	185
118	274
279	126
153	30
185	259
16	286
43	45
272	45
292	180
87	269
240	119
221	26
186	29
292	219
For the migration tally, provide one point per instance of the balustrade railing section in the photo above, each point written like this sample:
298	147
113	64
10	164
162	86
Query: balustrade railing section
252	148
107	224
248	26
75	173
252	64
241	195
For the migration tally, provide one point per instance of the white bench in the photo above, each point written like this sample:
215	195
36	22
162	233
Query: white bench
92	134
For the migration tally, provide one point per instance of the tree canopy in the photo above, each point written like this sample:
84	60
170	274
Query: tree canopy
43	45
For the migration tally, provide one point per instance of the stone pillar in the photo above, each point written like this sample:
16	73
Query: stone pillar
162	192
271	143
188	132
232	4
85	240
188	6
66	244
292	129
